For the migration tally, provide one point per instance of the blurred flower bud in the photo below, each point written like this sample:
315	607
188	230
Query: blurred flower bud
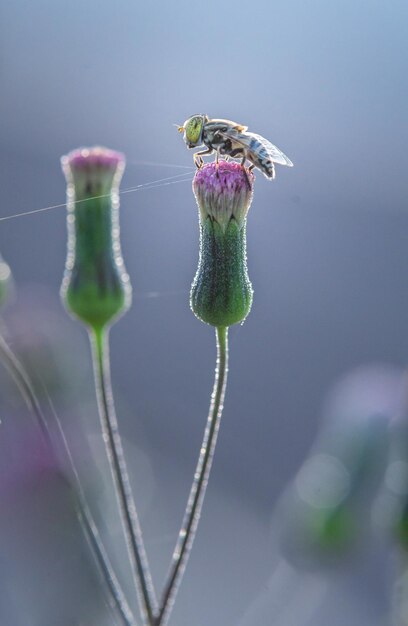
317	520
45	559
5	281
96	287
390	512
221	293
327	508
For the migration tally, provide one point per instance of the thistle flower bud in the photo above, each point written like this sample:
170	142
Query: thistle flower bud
221	293
5	281
96	287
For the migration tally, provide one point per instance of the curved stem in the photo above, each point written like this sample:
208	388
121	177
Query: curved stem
133	534
198	488
23	382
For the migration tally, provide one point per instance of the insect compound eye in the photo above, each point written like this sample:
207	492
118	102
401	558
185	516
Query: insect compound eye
193	129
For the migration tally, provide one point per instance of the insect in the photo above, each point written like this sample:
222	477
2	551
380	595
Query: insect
232	140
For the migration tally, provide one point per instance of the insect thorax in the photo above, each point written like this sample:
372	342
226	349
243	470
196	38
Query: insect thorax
213	139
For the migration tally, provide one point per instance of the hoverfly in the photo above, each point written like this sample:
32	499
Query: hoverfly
232	140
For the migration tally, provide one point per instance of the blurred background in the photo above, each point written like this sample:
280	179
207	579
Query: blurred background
303	430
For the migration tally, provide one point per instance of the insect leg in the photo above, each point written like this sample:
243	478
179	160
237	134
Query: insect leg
250	168
198	161
238	152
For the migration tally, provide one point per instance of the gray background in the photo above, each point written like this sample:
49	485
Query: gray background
327	253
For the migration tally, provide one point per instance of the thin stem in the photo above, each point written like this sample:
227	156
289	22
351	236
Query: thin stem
23	382
198	488
133	533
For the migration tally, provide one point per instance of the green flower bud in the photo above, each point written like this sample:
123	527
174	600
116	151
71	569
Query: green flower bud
96	287
6	282
221	293
333	530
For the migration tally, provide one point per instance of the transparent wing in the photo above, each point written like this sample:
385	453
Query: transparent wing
246	140
277	156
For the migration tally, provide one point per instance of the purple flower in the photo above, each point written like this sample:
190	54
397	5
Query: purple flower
93	171
221	293
96	287
223	192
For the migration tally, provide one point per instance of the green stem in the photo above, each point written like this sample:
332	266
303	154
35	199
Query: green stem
195	501
133	534
23	382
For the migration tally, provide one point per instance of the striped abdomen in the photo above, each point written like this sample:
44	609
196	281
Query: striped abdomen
259	155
